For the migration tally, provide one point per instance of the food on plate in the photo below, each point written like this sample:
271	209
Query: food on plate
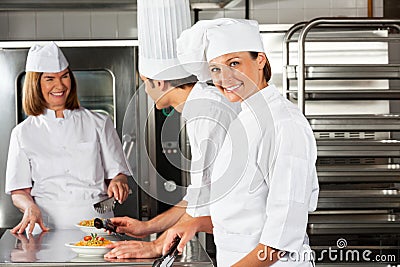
89	223
93	240
85	227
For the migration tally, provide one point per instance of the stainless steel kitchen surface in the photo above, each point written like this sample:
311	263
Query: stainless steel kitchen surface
48	249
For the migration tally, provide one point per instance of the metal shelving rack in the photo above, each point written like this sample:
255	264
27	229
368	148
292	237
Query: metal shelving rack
358	155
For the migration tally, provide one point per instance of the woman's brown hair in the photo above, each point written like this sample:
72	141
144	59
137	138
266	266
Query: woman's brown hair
33	101
267	67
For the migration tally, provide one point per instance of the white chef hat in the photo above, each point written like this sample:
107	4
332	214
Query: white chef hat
208	39
160	22
46	58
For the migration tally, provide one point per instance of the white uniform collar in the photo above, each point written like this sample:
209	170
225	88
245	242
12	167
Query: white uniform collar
51	114
266	93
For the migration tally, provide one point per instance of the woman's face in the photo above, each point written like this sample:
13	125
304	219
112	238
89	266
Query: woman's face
56	88
237	75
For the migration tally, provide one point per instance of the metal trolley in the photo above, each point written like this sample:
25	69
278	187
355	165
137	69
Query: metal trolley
358	154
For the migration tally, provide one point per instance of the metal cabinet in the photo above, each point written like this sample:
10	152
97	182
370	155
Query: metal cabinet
358	152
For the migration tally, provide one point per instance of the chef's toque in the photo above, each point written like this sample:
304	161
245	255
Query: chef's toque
46	58
208	39
160	22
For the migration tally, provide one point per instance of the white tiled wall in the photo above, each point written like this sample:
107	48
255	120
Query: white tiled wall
49	25
22	25
3	25
104	25
127	24
76	25
86	24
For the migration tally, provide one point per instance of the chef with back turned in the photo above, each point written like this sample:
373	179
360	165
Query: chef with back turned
206	112
62	156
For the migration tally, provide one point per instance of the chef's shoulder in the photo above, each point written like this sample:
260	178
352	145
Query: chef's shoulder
27	125
207	97
204	90
94	118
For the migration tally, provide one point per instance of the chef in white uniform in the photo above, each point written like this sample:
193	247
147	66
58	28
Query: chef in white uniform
62	156
264	181
206	112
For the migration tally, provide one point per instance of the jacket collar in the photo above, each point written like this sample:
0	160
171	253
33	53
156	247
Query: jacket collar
51	114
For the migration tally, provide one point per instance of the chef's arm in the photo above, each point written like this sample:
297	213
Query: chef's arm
160	223
168	218
23	200
261	256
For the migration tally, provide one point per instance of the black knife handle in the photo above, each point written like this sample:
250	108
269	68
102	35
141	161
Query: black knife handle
106	224
173	250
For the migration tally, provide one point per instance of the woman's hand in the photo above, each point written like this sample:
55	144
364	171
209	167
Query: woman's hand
23	200
131	227
31	216
134	249
119	188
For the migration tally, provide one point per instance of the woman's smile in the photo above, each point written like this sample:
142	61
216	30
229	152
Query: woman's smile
58	94
233	87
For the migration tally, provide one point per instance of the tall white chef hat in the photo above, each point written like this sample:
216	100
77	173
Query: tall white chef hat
46	58
160	22
208	39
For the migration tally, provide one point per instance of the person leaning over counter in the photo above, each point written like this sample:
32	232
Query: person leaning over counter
62	156
264	180
206	112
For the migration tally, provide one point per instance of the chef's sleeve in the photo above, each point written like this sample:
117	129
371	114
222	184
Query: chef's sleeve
208	136
18	173
291	182
114	161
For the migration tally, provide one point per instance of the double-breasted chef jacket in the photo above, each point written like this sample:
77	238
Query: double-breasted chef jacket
65	161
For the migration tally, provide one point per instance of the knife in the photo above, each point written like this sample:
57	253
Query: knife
107	204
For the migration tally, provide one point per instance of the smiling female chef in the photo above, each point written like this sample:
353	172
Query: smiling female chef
61	155
264	180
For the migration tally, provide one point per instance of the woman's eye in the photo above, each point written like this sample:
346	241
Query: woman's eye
234	63
214	69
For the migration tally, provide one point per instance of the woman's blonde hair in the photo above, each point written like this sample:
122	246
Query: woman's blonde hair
33	101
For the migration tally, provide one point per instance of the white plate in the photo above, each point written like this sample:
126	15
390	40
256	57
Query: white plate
88	251
92	230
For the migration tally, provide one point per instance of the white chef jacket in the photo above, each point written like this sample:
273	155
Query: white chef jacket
65	161
264	181
207	115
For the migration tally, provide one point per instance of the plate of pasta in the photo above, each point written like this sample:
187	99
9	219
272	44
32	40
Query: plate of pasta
90	245
87	226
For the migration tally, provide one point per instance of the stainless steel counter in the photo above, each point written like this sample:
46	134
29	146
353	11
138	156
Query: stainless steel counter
48	249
